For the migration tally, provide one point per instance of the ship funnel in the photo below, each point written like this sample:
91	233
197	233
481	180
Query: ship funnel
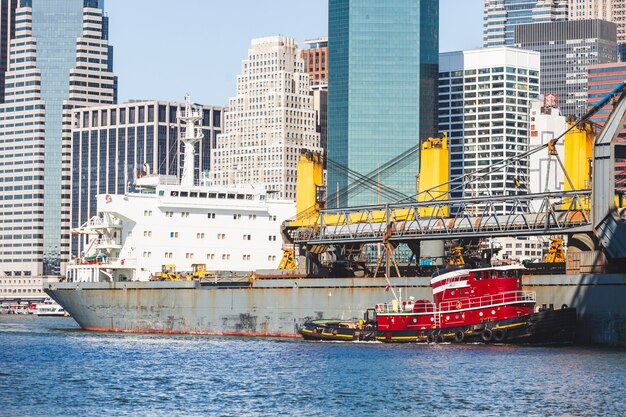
191	134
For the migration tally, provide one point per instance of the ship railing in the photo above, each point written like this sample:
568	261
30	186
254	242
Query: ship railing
508	297
395	306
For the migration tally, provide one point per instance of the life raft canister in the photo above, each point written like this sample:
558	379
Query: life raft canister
459	305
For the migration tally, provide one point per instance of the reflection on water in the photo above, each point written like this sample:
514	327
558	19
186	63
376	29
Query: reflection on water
50	367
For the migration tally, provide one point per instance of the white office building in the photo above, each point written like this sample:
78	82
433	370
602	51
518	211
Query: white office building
268	122
484	103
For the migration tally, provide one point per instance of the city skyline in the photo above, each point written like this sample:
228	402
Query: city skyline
211	79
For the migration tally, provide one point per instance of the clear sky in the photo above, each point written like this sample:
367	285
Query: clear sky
165	49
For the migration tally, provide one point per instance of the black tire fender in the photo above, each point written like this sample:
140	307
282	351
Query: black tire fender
486	335
499	335
459	336
430	338
564	306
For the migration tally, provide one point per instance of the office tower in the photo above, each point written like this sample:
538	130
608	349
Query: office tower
381	97
501	16
316	65
484	100
602	80
114	144
59	60
610	10
546	123
268	122
7	32
567	49
316	60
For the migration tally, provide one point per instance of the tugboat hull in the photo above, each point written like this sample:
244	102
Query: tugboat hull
544	327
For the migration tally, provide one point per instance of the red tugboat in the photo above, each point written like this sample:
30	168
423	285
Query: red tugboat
470	305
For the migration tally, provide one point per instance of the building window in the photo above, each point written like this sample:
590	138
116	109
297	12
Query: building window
184	214
211	215
236	216
252	217
147	233
200	235
174	234
221	236
247	237
272	238
147	254
210	256
226	257
147	213
271	258
246	257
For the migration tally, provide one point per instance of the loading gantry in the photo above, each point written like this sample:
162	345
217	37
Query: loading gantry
585	208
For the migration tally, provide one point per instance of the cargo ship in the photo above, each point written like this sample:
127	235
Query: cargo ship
469	305
110	288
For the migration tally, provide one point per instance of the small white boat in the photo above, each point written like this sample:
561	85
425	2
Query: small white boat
50	308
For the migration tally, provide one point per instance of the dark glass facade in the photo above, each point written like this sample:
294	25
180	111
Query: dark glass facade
383	70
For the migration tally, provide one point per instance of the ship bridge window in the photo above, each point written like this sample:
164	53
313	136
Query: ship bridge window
212	195
249	197
174	194
203	195
240	196
184	194
161	193
221	195
231	196
193	194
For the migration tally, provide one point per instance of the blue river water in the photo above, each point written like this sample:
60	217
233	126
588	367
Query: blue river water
50	367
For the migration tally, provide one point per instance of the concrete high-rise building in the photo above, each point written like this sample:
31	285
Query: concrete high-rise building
484	102
316	65
114	144
268	122
610	10
382	90
602	80
501	16
546	123
59	59
316	61
567	49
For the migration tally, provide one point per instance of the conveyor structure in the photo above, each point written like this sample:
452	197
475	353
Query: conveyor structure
586	207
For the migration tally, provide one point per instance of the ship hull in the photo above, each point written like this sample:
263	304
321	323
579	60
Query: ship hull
265	307
280	307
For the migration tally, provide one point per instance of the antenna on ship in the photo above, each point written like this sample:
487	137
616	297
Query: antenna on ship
190	135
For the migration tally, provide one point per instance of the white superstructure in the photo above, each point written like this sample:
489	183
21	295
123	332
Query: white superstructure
161	221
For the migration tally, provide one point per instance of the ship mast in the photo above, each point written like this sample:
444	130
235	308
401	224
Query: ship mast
190	135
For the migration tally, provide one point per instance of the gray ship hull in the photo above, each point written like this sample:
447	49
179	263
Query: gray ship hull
279	307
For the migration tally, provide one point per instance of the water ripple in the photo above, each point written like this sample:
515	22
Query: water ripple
49	367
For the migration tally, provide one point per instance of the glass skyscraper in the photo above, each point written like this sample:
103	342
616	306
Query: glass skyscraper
501	17
59	59
381	101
